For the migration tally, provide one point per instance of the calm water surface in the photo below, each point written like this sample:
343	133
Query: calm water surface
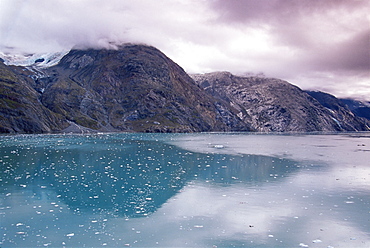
185	190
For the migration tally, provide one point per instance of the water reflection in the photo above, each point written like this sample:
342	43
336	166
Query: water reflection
139	190
127	177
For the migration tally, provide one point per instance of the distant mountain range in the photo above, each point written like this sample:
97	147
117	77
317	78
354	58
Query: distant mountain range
137	88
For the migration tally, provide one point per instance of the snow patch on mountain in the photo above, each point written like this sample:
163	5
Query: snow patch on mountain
40	60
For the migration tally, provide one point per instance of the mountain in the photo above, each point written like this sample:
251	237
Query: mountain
271	105
133	88
20	108
359	108
340	110
137	88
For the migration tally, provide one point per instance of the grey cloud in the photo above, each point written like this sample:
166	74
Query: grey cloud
352	54
303	40
297	23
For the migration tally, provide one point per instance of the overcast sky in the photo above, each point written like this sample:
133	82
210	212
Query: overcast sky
314	44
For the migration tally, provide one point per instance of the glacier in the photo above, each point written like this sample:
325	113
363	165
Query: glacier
38	60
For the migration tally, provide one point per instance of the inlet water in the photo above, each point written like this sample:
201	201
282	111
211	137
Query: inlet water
185	190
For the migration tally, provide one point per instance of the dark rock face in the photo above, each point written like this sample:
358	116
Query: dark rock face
137	88
20	108
339	111
134	88
271	105
361	109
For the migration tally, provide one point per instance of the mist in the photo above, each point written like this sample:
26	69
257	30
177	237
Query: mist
321	45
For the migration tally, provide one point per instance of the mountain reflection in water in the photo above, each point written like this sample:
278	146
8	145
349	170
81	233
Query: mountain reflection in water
140	178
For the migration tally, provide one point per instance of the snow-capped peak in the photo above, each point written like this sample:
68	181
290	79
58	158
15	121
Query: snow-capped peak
40	60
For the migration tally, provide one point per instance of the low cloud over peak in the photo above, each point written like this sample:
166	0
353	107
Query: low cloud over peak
320	44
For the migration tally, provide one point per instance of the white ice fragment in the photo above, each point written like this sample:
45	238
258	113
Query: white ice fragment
316	241
198	226
270	236
70	235
19	224
303	245
218	146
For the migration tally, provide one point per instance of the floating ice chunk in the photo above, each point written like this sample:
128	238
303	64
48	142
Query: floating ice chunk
19	224
270	236
219	146
316	241
198	226
70	235
303	245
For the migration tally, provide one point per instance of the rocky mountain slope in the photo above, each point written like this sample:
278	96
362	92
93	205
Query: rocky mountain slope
361	109
20	108
270	105
134	88
341	111
137	88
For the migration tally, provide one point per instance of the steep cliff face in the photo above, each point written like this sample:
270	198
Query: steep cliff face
270	105
137	88
134	88
340	112
20	106
361	109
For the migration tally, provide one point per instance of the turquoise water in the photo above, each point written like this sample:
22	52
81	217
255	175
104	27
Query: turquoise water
185	190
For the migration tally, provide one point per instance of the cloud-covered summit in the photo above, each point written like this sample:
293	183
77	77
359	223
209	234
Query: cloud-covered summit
315	44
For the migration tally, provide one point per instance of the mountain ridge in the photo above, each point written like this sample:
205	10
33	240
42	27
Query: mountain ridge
271	104
137	88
